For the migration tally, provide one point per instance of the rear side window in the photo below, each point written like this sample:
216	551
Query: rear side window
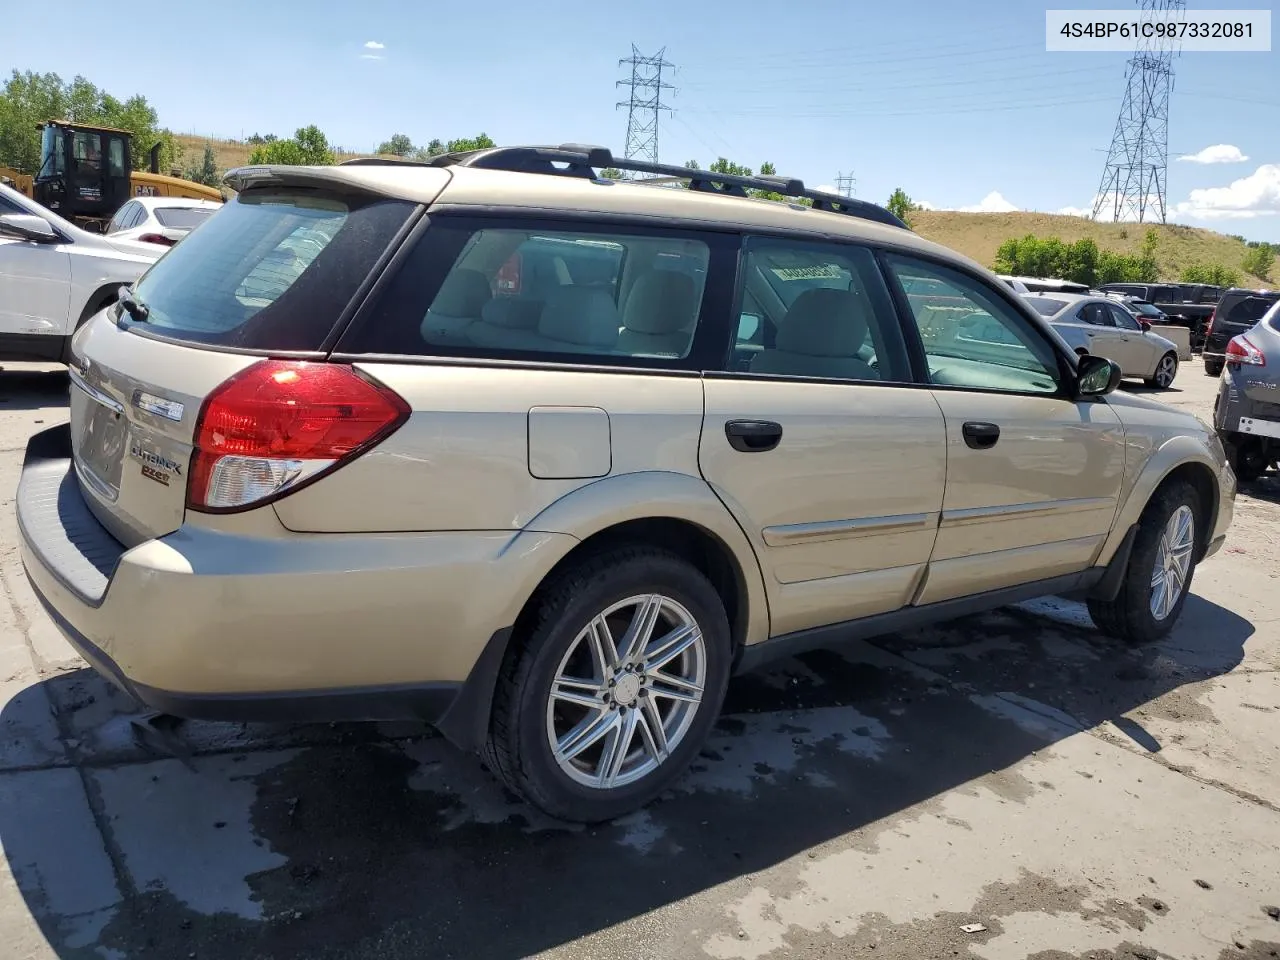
274	271
1045	306
1245	311
183	218
512	291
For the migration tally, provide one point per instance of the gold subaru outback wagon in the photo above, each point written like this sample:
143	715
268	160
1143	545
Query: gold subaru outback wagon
544	458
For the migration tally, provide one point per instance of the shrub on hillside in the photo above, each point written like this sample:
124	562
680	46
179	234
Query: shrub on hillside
1080	262
1212	273
1259	259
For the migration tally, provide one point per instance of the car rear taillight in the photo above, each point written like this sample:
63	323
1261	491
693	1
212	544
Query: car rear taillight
159	238
1208	327
1241	350
280	424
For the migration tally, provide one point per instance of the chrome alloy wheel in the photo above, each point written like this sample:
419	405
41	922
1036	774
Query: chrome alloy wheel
1166	371
626	691
1173	562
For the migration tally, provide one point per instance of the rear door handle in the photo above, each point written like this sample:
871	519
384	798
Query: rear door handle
979	435
753	436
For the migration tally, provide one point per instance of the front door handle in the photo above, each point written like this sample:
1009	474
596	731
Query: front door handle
980	436
753	436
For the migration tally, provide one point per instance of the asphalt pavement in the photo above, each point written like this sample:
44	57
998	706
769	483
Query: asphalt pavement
1005	786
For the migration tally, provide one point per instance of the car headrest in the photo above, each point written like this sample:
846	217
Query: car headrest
586	316
662	301
824	323
463	294
512	313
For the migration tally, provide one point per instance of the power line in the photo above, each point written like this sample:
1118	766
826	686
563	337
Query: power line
846	184
644	104
1136	172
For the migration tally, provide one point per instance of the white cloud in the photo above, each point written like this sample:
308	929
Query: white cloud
1218	153
370	56
993	202
926	205
374	45
827	188
1257	195
1075	212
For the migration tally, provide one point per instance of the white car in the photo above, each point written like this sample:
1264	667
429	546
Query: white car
162	220
55	276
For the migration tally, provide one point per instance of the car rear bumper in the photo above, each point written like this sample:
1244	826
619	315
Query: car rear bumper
214	624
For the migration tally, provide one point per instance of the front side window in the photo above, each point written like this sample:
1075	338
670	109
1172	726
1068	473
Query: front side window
524	292
816	310
972	336
1123	320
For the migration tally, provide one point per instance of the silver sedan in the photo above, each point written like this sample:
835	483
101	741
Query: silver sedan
1103	327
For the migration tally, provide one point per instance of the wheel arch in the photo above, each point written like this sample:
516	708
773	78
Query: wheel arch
1180	459
102	297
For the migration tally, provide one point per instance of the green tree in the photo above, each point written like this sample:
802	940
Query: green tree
901	205
1259	259
611	173
29	99
307	147
435	148
398	146
206	171
1213	273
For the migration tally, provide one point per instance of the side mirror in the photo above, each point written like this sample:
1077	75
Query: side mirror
1145	325
1096	376
25	226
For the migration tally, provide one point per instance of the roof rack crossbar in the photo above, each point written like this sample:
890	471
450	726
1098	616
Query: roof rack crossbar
583	160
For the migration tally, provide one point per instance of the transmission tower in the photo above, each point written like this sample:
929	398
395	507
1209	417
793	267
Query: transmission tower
1136	172
644	104
846	184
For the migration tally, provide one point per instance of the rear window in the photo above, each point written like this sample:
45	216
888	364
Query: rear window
183	218
274	271
1045	306
518	292
1245	311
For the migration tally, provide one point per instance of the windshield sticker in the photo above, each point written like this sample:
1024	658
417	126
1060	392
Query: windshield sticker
821	271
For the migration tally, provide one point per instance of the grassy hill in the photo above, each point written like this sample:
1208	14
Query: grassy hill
977	235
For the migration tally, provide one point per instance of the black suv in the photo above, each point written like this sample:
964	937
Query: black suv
1237	311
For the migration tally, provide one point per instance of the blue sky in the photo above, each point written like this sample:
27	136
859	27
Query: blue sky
957	102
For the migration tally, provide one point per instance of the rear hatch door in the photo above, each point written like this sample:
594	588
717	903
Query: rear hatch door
274	273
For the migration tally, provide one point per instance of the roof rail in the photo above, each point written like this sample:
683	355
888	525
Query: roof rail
583	160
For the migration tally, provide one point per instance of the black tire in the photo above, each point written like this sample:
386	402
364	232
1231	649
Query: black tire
1213	368
1155	380
1247	456
1128	617
518	750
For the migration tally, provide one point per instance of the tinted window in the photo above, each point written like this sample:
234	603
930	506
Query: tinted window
1245	311
182	218
274	272
1096	314
115	157
972	336
816	310
514	291
8	206
1046	306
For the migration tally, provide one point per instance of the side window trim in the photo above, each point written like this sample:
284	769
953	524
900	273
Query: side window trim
999	292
